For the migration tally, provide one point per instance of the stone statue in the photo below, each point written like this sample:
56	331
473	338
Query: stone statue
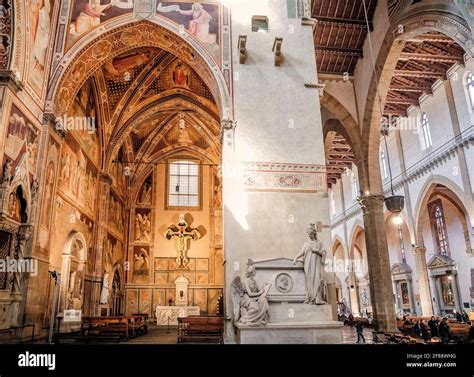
145	195
250	301
104	295
34	190
141	266
142	227
314	256
7	172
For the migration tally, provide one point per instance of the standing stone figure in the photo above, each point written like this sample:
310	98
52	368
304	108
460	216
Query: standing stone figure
314	256
104	295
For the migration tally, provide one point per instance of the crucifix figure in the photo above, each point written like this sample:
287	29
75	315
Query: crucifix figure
183	234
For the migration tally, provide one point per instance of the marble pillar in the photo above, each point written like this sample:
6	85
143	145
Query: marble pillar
381	292
423	281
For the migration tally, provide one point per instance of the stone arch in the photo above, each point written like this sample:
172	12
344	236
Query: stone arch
337	241
88	55
388	216
455	195
356	229
426	19
343	123
144	114
144	173
74	260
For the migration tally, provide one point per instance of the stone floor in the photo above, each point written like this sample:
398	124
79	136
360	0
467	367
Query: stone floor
160	335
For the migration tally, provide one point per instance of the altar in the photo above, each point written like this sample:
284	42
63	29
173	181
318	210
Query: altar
163	313
181	308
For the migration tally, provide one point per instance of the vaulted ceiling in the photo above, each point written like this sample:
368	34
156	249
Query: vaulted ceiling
152	103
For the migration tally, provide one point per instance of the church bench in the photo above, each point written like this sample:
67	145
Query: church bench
76	337
201	329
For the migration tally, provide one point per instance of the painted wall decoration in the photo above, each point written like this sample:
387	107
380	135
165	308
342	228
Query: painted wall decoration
115	214
82	120
50	177
5	33
77	177
89	14
40	20
141	264
201	19
22	139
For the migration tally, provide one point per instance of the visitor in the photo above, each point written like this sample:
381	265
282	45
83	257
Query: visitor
370	319
465	317
417	329
433	325
351	320
406	321
470	337
359	329
425	333
444	331
458	316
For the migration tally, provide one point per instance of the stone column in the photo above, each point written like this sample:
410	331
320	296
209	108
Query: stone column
423	281
381	293
411	296
398	299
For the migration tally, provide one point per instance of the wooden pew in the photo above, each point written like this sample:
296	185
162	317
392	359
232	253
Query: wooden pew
201	329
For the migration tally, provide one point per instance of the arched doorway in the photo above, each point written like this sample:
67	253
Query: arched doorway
74	260
117	294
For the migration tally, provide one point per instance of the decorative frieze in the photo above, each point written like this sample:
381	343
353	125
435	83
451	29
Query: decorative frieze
284	177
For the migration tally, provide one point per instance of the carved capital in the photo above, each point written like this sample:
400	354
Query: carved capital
228	125
11	80
25	232
105	178
371	203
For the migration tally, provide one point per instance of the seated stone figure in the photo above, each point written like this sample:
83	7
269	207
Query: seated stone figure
250	301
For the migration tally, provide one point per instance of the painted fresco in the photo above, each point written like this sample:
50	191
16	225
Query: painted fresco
201	19
82	119
21	142
88	14
41	26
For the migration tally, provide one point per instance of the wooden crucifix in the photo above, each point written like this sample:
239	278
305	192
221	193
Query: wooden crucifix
183	234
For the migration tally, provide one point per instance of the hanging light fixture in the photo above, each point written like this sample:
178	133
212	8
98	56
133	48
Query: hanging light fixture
393	203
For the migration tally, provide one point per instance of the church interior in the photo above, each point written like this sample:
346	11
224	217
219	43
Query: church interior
242	172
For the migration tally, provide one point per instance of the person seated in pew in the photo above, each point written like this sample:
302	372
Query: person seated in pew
458	316
425	331
465	317
433	325
417	329
445	332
